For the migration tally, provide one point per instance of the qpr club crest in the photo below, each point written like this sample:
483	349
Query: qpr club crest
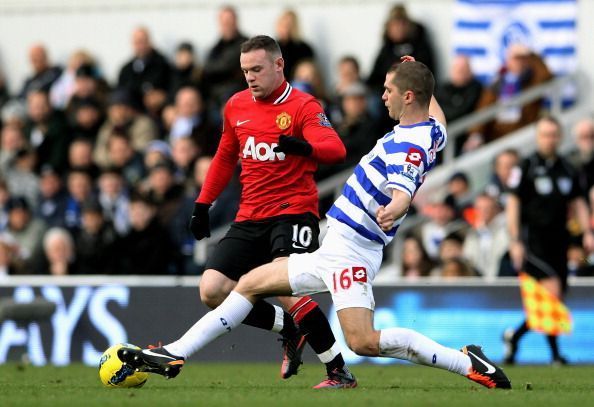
283	121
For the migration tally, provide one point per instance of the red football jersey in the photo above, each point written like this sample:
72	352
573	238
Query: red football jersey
272	183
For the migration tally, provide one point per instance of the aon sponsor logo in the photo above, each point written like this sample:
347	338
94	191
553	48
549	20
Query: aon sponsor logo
261	151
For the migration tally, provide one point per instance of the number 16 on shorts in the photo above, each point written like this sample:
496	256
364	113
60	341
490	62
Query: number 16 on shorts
344	279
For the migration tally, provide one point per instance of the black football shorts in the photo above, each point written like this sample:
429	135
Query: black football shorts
250	244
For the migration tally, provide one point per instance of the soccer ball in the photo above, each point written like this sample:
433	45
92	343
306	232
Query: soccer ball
115	373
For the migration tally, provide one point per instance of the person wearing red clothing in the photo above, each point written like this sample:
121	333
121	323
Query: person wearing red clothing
279	134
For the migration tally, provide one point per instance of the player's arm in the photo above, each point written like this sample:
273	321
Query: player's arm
582	213
436	111
217	178
516	247
320	141
398	206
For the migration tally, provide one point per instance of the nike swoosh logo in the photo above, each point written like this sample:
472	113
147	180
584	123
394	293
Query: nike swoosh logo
296	246
151	353
490	367
240	122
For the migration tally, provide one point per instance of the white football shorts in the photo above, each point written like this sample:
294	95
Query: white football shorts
341	267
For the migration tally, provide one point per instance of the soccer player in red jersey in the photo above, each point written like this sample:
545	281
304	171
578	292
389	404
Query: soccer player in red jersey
279	134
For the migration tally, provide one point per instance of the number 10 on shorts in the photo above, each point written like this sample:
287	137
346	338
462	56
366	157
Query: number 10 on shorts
345	278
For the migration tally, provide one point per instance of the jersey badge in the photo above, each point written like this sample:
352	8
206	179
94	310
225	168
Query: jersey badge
283	120
564	185
324	120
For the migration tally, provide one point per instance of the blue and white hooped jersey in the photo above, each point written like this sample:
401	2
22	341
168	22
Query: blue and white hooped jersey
400	160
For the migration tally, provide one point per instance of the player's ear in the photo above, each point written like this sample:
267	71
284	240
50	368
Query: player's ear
280	63
408	97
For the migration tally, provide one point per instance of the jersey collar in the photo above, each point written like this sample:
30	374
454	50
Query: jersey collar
279	95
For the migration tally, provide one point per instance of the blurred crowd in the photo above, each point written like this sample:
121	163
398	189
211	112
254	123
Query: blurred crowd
100	178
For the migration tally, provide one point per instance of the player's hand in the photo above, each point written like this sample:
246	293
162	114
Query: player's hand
517	254
200	222
384	218
293	145
407	58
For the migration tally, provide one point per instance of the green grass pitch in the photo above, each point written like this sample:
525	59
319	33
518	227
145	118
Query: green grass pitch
259	385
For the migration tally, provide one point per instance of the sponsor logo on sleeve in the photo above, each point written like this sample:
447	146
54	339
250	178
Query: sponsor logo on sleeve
359	274
324	120
414	156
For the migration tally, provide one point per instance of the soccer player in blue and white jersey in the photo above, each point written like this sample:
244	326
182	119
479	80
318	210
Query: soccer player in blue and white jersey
362	221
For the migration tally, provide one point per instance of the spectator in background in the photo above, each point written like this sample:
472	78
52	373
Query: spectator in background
156	152
127	160
147	69
348	73
522	70
191	120
87	117
357	129
8	259
14	113
505	174
401	37
94	241
415	260
12	140
582	157
147	248
63	88
441	222
222	75
451	262
460	94
185	71
114	199
44	75
307	77
174	208
21	177
46	131
58	248
459	194
80	189
80	156
293	48
53	197
154	100
123	118
487	240
184	153
26	231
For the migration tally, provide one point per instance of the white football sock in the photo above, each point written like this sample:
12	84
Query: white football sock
279	319
217	322
402	343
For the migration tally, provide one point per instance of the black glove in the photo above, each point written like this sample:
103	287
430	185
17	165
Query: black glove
293	145
200	223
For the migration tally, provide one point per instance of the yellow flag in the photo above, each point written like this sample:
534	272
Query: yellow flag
544	311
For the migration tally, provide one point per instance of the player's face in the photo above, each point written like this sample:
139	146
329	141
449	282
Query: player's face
393	99
262	73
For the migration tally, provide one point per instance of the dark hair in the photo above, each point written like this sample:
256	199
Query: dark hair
264	42
416	77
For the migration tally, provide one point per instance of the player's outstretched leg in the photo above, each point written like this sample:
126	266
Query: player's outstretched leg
484	371
153	360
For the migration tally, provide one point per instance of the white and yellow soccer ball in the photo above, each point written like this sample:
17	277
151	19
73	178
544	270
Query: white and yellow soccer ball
115	373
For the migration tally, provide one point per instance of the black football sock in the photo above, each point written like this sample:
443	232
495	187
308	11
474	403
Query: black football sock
313	323
521	331
554	346
263	316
